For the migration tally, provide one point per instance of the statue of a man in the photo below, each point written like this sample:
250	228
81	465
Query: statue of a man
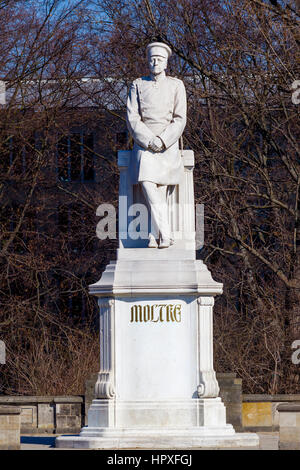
156	118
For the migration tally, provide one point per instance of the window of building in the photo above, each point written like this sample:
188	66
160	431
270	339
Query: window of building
75	157
18	153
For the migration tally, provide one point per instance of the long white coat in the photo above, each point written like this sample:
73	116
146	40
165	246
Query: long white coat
156	108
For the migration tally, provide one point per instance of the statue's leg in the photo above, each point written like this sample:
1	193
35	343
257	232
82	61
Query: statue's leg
156	197
164	216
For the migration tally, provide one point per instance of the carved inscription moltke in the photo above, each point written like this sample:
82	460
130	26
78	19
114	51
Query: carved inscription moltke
156	313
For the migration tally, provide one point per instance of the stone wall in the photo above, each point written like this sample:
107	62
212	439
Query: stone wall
231	394
48	414
260	412
68	414
10	427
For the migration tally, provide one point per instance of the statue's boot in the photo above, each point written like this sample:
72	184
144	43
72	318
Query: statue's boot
152	241
166	242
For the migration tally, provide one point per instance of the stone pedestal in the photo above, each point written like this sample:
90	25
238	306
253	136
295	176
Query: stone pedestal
157	387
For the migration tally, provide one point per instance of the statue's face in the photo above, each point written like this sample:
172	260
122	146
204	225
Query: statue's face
157	64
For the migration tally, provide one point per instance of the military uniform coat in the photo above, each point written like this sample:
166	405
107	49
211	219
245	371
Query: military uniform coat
156	108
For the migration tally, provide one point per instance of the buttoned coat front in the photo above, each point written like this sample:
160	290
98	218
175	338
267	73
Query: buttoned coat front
156	108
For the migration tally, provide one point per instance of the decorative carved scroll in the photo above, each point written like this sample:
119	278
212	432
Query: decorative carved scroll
104	387
208	386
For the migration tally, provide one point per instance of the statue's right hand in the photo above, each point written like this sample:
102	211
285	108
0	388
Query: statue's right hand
156	145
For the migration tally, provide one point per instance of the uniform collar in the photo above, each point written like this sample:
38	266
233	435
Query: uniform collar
158	78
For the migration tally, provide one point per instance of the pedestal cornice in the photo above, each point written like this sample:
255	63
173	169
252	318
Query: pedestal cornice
125	277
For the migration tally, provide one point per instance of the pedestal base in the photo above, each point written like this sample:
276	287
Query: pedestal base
158	414
192	438
170	424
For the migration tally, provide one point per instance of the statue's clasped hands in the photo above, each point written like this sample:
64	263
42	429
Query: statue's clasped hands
156	145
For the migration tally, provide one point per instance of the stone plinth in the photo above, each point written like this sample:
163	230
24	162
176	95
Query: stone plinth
10	428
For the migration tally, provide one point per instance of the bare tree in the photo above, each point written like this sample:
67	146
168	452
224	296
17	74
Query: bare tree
56	168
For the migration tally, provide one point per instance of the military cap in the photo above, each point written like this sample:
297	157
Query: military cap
159	48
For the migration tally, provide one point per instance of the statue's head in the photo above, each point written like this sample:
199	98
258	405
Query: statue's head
158	54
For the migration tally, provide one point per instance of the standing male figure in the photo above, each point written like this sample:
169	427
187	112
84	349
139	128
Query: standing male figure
156	118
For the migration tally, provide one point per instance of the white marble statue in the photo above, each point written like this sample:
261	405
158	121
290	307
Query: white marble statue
157	387
156	118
